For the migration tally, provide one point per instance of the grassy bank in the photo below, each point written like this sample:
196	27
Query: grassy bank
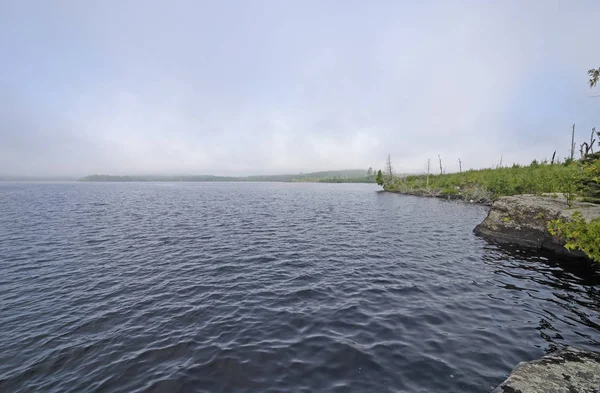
484	185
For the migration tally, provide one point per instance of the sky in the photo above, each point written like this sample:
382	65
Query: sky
267	87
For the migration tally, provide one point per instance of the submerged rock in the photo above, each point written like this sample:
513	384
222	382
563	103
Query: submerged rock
564	371
522	220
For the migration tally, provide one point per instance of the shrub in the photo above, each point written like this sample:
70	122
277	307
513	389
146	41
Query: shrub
579	234
379	178
589	179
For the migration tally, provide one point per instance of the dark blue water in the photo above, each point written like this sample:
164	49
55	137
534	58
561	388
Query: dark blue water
219	287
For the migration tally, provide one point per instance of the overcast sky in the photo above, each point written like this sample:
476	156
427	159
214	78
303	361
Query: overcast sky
241	87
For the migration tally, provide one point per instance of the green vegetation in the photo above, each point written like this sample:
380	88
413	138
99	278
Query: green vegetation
594	74
579	234
487	184
343	176
589	179
379	179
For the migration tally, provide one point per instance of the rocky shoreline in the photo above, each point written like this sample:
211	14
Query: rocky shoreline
567	370
470	198
523	220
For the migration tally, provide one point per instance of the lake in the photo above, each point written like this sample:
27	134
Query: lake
270	287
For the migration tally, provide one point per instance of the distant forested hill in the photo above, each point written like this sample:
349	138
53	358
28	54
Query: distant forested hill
342	176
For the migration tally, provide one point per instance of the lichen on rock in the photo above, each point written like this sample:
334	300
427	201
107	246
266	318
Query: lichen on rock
567	370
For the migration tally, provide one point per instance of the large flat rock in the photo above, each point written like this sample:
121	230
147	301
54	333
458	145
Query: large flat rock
564	371
522	220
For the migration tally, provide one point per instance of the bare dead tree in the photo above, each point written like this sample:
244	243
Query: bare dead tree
460	165
585	149
389	171
573	143
441	170
428	169
553	156
501	158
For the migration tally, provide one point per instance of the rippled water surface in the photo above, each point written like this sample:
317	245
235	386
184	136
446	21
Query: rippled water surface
225	287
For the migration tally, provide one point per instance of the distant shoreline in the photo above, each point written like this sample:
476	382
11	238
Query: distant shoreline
343	176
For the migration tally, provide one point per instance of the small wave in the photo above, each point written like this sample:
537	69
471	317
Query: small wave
271	288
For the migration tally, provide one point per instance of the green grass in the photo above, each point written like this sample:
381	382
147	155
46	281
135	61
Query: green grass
487	184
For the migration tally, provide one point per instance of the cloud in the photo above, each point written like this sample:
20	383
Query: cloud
266	87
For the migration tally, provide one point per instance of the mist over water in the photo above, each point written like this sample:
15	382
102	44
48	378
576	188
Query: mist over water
240	88
270	287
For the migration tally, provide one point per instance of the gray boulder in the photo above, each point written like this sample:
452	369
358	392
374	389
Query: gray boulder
564	371
522	220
